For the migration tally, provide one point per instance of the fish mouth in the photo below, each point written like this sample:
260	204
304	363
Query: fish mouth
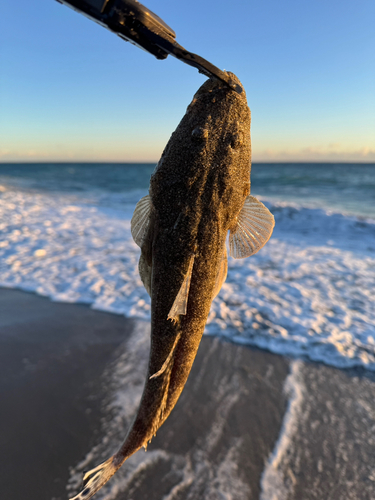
212	85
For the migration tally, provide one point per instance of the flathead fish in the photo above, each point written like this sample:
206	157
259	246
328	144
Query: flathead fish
199	191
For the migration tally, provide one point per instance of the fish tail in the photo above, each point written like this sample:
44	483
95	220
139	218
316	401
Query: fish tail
95	478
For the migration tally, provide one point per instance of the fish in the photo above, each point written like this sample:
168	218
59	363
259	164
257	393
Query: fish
199	193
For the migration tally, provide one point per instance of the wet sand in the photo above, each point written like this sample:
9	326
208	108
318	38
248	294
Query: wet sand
54	364
52	356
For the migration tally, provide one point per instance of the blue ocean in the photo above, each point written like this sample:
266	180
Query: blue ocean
347	188
65	234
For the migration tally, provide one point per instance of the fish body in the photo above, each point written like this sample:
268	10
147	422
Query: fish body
198	192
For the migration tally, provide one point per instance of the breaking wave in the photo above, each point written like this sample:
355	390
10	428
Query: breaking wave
308	292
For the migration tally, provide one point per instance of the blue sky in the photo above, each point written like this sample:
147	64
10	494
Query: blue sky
72	91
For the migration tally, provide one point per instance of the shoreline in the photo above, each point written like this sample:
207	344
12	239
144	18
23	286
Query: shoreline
249	424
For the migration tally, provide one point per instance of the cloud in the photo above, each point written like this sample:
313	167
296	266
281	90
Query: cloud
10	155
137	152
330	153
83	154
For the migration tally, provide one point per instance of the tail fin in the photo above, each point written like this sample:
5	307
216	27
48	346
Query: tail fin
94	479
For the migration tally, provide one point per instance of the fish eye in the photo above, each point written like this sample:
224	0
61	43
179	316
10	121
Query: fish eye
237	140
199	134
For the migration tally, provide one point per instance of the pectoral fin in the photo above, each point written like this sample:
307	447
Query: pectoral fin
222	272
254	228
180	302
141	219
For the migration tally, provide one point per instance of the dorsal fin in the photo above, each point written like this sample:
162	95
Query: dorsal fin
222	272
254	228
180	302
141	219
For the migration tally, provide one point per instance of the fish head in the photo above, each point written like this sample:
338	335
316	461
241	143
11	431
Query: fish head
209	155
224	123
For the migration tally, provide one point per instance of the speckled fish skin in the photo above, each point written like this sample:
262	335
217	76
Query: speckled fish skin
197	191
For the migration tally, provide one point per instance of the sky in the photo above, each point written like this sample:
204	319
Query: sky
71	90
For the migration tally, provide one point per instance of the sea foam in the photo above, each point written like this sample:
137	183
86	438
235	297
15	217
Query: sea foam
308	292
188	475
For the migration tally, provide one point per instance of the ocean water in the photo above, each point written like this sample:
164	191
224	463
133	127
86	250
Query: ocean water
308	294
65	234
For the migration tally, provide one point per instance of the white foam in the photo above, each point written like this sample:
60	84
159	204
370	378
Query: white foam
308	292
274	484
193	474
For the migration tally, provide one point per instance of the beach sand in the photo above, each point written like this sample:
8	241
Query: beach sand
308	428
52	356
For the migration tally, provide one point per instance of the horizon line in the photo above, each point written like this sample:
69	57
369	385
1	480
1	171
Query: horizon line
111	162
